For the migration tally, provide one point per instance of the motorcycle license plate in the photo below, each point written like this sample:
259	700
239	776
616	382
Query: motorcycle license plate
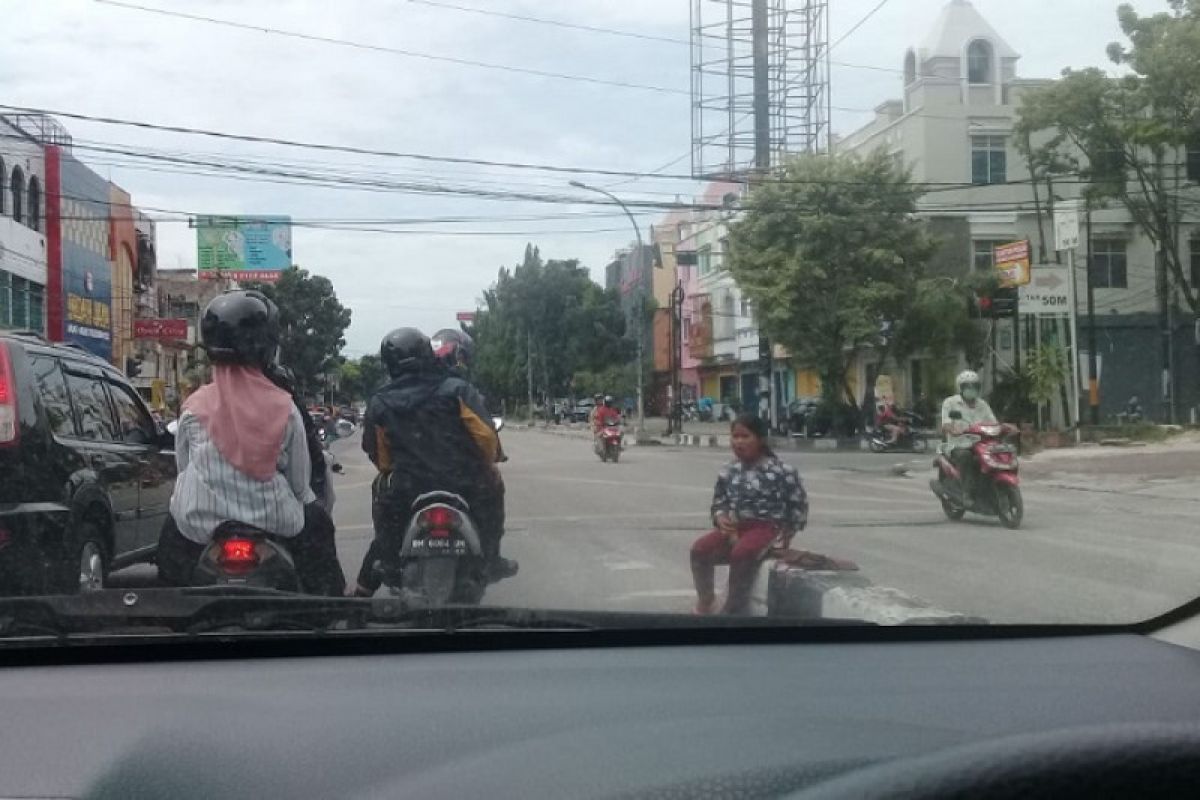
429	546
1004	448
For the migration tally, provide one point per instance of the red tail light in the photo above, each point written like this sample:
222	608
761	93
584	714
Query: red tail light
10	427
439	521
238	555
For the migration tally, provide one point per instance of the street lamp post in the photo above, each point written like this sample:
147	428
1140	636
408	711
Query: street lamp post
641	310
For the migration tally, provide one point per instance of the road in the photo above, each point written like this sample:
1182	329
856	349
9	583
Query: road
1101	547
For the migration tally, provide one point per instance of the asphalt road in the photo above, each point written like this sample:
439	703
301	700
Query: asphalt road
590	535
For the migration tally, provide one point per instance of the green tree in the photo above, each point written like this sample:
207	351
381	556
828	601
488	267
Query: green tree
547	317
313	325
359	379
833	257
1126	135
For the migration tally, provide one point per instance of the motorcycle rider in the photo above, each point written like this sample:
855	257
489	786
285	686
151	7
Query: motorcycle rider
605	414
889	421
242	454
972	410
323	462
428	431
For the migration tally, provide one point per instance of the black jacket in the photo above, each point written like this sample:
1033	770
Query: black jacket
431	431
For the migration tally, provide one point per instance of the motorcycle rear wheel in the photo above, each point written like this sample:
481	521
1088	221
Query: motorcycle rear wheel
952	511
1009	506
432	579
876	445
615	454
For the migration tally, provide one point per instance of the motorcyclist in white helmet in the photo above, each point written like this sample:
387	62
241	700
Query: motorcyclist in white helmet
972	410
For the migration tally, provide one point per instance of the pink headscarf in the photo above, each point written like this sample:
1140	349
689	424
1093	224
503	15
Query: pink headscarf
246	415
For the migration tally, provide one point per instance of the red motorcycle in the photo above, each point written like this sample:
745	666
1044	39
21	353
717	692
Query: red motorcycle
610	442
997	489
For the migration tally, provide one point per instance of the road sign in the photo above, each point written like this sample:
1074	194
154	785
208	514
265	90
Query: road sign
1012	262
1066	229
1048	292
465	316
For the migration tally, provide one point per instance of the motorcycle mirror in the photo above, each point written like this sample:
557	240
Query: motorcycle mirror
173	427
498	422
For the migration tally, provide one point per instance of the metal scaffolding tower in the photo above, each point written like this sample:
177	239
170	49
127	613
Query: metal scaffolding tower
760	83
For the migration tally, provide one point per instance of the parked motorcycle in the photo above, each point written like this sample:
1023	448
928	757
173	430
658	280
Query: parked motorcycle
997	489
610	443
909	439
441	559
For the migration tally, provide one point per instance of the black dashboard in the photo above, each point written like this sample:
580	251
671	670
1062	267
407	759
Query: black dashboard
745	720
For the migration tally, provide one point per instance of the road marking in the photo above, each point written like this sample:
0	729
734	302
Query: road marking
654	594
626	566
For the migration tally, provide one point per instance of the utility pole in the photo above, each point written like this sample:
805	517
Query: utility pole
640	300
1093	373
762	165
529	369
1164	306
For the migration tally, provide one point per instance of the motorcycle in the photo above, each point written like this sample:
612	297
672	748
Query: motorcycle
241	555
997	489
441	559
908	440
610	443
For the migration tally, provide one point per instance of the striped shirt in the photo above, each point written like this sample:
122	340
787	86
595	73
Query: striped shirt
211	491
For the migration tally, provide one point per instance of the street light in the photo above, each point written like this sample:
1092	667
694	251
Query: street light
641	312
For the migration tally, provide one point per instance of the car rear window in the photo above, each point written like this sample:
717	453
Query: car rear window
52	388
91	404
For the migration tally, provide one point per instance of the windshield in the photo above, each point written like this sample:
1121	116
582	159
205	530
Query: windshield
894	311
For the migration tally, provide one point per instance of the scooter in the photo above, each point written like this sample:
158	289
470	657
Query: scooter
908	440
610	443
241	555
997	489
441	559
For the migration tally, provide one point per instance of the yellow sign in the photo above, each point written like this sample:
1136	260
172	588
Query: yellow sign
84	311
1012	262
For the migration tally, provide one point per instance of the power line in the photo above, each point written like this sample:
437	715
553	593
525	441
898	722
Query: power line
858	24
556	23
465	62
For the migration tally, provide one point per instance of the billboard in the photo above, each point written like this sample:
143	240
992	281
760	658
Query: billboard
244	248
160	329
1012	262
86	272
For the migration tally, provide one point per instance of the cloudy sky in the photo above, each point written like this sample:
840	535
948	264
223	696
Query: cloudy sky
404	263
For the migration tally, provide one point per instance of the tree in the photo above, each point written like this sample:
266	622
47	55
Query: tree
312	323
548	318
359	379
1125	135
833	258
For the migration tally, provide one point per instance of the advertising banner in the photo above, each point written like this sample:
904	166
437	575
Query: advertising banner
1012	262
1048	293
244	248
160	328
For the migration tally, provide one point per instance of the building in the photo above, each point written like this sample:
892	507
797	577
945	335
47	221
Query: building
79	284
632	277
123	247
22	228
953	126
182	295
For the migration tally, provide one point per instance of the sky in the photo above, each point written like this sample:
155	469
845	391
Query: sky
404	263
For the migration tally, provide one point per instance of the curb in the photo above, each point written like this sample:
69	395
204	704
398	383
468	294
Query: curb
811	595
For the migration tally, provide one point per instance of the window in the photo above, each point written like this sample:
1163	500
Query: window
5	299
745	307
989	160
1194	255
705	260
136	425
35	204
979	62
52	388
984	252
20	303
92	408
1108	263
2	174
37	308
1193	162
18	194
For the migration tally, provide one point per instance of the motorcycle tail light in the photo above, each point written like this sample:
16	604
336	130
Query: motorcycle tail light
238	556
439	521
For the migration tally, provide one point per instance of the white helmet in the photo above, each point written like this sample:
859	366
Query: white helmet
967	376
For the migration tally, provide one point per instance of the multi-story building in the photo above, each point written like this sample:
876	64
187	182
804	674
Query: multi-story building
123	248
181	295
22	228
953	129
632	276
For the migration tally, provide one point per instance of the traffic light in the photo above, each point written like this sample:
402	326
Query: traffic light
998	304
764	353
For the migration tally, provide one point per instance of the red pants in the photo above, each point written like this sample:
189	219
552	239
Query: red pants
743	556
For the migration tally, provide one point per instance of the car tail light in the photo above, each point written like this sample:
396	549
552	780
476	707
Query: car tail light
10	427
238	555
439	521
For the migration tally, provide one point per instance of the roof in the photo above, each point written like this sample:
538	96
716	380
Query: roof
958	23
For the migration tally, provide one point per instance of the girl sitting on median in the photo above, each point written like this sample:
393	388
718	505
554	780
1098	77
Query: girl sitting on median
757	500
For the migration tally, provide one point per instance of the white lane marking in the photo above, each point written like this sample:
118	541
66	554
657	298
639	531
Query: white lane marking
626	566
654	594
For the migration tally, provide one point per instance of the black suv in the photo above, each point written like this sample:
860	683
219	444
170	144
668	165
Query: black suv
85	473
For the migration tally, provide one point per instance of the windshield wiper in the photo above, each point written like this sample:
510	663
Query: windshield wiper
244	610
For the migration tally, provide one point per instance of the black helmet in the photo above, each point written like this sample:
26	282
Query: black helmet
405	350
453	348
241	327
608	400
